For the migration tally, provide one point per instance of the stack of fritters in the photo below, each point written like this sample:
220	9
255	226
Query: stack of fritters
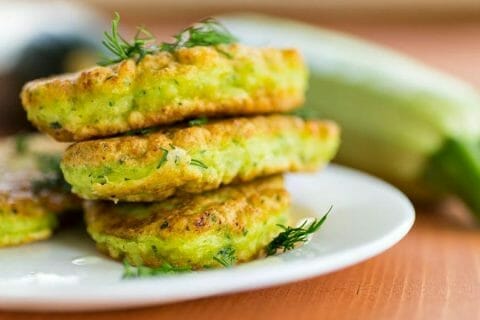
184	190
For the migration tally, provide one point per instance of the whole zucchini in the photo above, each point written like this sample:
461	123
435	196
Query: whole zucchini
401	120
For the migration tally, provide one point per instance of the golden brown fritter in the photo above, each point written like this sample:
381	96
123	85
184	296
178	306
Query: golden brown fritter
165	88
232	224
23	216
32	190
178	160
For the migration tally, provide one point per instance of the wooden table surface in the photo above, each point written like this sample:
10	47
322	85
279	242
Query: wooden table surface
434	273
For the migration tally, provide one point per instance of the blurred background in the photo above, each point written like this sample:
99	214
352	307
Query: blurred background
41	38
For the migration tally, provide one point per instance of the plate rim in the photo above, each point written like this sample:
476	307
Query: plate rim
144	292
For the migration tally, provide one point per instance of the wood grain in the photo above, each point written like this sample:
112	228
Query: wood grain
434	273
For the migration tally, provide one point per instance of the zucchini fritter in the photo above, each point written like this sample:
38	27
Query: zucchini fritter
164	88
23	217
178	160
220	227
32	190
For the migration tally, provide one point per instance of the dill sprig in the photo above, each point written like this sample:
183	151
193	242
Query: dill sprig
226	257
208	32
130	271
291	237
141	45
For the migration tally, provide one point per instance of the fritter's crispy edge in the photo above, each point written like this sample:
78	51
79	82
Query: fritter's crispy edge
158	165
38	95
242	217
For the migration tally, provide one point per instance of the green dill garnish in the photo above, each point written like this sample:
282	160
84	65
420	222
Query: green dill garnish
198	122
163	159
130	271
21	143
290	237
141	45
198	163
208	32
49	166
226	257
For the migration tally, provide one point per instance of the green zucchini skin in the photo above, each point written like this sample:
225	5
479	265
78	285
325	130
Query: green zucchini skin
398	116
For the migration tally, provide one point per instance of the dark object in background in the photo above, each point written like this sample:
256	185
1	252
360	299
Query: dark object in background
55	38
44	56
50	54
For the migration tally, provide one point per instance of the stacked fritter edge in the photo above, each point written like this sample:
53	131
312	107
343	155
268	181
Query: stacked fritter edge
180	154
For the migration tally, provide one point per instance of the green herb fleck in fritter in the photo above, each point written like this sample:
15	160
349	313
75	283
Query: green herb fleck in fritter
198	163
226	257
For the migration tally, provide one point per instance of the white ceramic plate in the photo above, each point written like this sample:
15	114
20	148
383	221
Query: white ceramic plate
66	273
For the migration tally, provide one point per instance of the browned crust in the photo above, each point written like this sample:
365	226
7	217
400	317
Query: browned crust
230	206
128	166
144	148
126	76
